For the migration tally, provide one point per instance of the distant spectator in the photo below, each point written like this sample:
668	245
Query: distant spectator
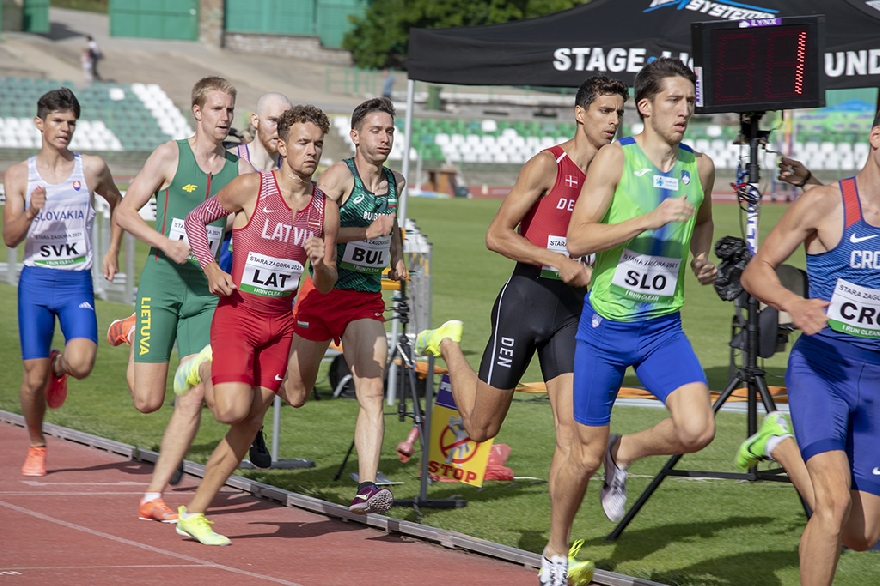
86	60
96	55
387	84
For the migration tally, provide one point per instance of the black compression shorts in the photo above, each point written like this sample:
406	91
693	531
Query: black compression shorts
531	313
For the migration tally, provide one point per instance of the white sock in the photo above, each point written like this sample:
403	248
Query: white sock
151	496
129	335
772	442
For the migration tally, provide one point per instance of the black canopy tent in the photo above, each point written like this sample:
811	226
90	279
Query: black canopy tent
617	37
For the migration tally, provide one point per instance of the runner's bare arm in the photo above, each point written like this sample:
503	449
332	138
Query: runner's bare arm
239	195
107	189
157	174
801	222
16	219
336	182
586	232
704	227
795	173
398	270
325	274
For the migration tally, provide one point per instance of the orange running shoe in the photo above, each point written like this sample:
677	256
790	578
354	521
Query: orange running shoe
120	330
156	510
56	392
35	463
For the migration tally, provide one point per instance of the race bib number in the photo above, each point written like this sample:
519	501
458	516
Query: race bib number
644	277
855	310
267	276
60	249
178	232
558	244
367	256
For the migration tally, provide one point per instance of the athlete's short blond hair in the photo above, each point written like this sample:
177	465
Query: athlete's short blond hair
209	84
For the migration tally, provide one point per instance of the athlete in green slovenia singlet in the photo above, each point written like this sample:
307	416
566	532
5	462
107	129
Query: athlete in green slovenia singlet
644	210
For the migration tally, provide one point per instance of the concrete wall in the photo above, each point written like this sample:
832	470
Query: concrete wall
308	48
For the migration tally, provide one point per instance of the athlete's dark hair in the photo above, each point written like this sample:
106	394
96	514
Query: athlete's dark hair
382	104
876	119
649	80
302	114
599	85
60	99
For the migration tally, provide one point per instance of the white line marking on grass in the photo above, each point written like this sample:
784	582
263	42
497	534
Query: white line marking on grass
144	546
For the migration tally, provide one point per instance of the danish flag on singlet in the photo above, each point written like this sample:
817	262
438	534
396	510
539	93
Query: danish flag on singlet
571	181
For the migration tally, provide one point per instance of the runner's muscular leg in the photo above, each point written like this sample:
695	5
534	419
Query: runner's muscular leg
302	369
689	429
148	390
789	457
365	348
231	450
78	358
821	541
573	463
230	402
482	407
33	398
180	432
862	529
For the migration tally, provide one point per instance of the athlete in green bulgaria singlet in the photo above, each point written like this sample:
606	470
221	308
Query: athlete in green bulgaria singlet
173	301
360	264
642	278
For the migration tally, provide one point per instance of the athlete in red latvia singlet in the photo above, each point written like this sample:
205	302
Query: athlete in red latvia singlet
254	325
282	220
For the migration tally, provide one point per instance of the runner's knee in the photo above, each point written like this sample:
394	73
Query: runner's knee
696	438
147	403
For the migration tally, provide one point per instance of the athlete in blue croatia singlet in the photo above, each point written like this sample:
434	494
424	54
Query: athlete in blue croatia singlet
833	376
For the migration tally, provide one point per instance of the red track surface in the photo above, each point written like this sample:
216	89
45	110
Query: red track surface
78	526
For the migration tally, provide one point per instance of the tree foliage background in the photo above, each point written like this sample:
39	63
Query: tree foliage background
379	38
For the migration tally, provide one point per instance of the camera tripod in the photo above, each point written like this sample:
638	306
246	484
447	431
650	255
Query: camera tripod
402	357
749	373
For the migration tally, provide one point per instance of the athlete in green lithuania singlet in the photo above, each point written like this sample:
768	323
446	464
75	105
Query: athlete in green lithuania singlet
173	301
642	278
360	263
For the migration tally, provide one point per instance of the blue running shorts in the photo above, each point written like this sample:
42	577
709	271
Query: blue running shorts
833	392
657	348
44	293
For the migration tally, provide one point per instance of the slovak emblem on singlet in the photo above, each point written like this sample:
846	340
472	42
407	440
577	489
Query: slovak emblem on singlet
270	277
367	256
215	235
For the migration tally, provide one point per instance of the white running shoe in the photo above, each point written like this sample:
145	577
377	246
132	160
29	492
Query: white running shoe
554	571
613	493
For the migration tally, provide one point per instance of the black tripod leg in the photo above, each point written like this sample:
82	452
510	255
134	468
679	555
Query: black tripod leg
766	397
637	506
344	462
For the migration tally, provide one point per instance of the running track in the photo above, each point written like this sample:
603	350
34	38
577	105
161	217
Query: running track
78	526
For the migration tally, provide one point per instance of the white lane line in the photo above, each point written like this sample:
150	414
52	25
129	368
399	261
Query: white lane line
144	546
59	493
40	483
149	566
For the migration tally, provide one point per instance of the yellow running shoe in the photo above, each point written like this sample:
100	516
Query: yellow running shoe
428	341
197	526
579	573
187	374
